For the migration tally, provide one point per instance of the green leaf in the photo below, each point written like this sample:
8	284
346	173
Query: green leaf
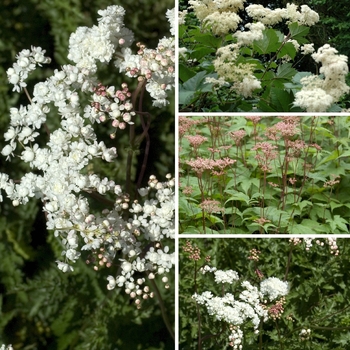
338	222
193	86
344	154
285	71
185	73
237	196
332	156
269	43
209	40
187	208
314	227
247	183
334	205
298	32
201	52
287	49
278	217
301	205
182	31
281	100
299	229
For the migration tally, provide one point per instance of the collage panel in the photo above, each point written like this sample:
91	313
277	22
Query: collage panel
264	293
87	175
264	174
263	56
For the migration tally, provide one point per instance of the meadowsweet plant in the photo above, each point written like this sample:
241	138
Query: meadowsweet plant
242	57
254	174
126	227
249	293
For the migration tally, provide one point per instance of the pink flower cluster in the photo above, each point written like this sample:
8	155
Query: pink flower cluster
199	165
285	129
196	140
185	123
268	154
211	206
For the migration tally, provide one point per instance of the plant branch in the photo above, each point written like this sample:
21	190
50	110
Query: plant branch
162	309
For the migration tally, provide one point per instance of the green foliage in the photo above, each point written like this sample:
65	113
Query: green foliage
295	191
317	300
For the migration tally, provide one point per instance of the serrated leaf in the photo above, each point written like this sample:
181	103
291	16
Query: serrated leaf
209	40
201	52
287	49
301	205
314	226
334	205
285	71
192	86
332	156
344	154
277	216
298	32
269	43
300	229
185	73
247	183
281	100
237	196
338	222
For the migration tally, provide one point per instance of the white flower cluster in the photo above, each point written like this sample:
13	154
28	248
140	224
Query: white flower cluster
217	8
61	178
236	337
273	287
27	60
332	243
4	347
255	32
156	67
248	307
305	334
221	276
156	221
239	74
182	15
270	17
319	92
100	43
227	276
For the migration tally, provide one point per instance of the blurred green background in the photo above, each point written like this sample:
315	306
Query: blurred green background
40	307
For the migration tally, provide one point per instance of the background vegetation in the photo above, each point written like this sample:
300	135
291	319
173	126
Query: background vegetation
41	307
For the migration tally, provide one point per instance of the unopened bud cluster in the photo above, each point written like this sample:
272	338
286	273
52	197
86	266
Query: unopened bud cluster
254	254
195	252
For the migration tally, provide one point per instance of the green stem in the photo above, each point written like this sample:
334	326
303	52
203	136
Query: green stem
162	309
275	56
131	150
